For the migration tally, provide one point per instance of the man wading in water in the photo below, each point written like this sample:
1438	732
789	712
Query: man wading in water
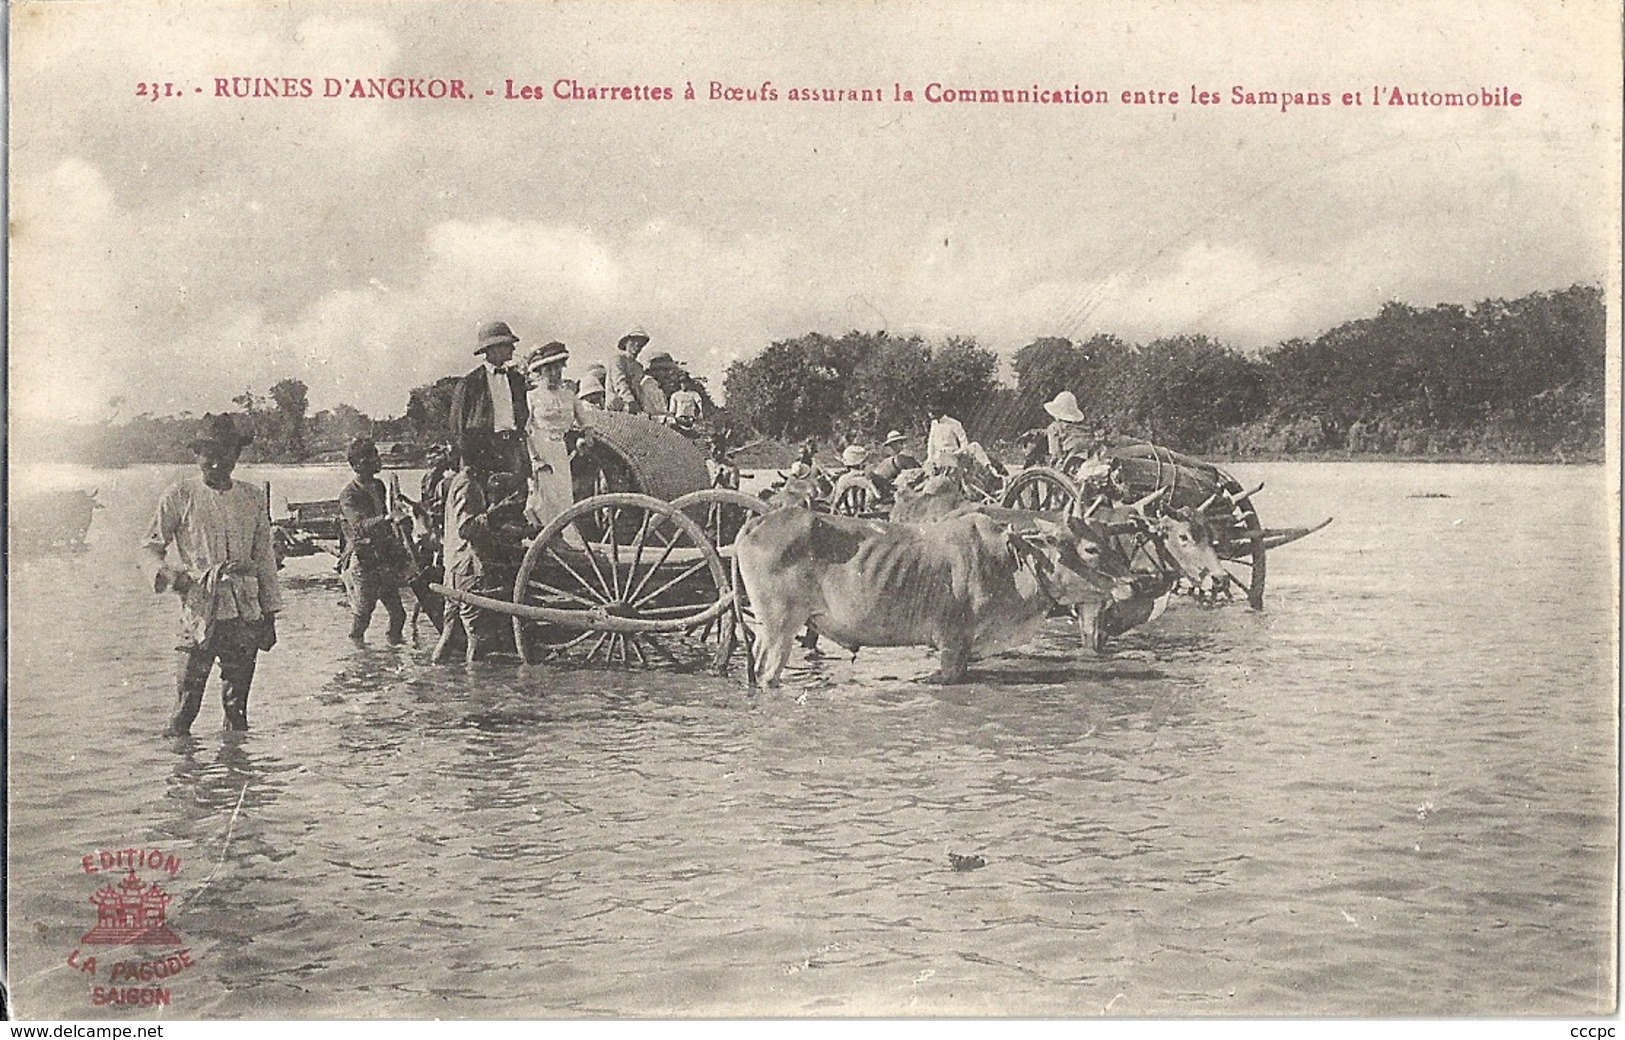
221	531
374	561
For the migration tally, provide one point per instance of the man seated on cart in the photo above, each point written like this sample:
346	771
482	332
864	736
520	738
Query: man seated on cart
899	461
1068	435
854	492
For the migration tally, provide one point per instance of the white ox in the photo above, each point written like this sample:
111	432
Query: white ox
971	586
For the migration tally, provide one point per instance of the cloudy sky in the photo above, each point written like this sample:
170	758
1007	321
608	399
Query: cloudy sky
170	253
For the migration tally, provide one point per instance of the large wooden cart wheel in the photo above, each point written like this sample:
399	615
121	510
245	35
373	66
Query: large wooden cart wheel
722	513
1041	489
620	578
1241	539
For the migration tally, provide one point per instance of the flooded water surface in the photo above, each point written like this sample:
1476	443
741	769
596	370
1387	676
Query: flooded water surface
1391	792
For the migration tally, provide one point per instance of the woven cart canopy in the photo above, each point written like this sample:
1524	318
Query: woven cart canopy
662	462
1147	467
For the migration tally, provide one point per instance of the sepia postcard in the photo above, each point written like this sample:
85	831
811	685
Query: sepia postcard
602	510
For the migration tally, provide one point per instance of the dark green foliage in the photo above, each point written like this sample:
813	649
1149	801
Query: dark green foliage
428	409
1502	379
1177	391
1526	376
859	386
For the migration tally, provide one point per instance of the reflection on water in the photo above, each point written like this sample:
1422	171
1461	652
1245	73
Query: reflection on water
1305	810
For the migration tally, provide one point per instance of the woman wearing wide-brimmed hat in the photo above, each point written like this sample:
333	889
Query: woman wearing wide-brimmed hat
555	411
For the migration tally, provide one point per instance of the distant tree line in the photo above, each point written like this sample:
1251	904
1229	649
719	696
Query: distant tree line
1504	378
283	429
1525	377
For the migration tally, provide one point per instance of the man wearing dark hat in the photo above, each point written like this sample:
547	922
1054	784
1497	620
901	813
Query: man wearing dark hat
224	572
373	558
489	405
625	374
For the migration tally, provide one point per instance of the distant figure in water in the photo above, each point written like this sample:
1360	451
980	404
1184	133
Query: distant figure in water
220	529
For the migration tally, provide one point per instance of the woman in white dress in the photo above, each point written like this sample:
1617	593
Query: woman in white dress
554	411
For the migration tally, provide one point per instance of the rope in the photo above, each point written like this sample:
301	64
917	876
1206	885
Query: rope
231	825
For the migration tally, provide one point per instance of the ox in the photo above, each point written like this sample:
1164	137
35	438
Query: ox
938	498
970	585
1161	550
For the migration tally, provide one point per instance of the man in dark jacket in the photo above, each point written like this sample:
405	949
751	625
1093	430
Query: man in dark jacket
491	423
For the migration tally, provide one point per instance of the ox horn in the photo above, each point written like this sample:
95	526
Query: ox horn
1140	506
1206	502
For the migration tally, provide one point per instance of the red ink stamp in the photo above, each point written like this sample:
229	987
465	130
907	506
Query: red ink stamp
132	912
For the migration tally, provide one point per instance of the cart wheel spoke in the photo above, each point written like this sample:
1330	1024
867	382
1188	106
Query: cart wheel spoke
650	582
603	637
689	572
561	593
1041	489
635	596
564	648
600	590
635	557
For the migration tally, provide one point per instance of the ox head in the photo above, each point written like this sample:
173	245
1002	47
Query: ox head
793	493
1179	543
1187	538
1072	559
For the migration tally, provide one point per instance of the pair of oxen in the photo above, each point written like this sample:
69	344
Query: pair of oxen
969	579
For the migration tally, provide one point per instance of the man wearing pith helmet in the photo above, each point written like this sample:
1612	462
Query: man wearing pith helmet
488	409
1069	433
626	374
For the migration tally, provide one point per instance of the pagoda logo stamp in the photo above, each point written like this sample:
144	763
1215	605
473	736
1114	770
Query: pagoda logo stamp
132	913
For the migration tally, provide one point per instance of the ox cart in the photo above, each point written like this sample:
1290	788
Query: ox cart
638	571
1139	474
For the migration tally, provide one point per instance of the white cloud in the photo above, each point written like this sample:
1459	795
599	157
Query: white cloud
64	291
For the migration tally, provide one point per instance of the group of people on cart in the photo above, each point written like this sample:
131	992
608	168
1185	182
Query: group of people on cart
867	481
504	474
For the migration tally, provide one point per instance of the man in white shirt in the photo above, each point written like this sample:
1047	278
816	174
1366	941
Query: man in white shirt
225	574
946	440
686	404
